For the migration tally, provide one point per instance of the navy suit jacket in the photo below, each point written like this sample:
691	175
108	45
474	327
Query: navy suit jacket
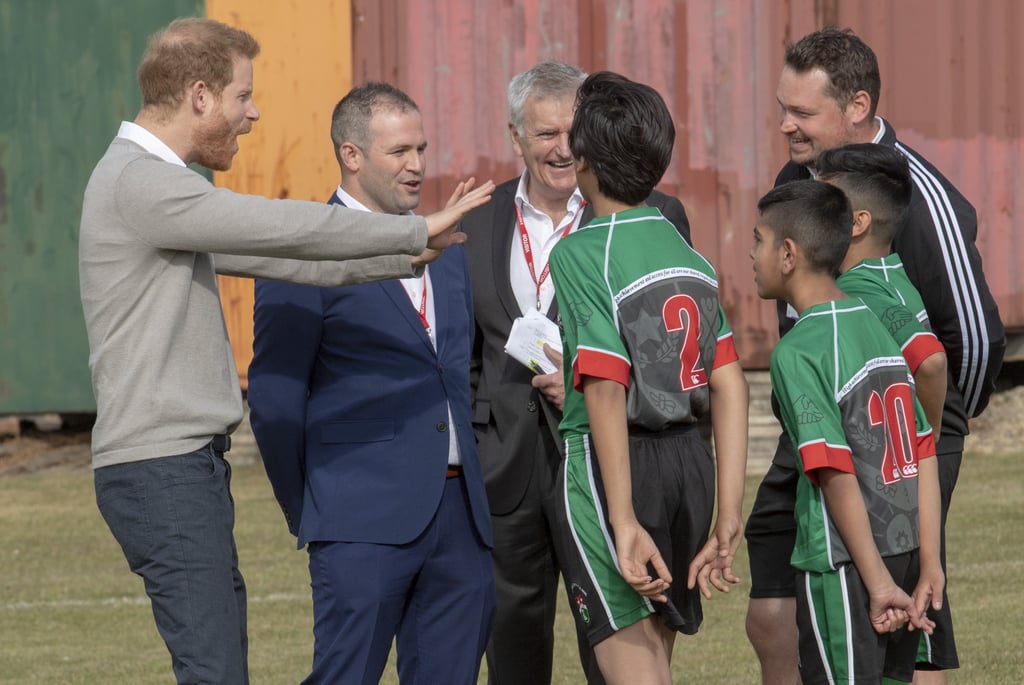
349	405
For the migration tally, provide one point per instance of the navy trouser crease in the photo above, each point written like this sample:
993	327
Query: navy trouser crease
433	596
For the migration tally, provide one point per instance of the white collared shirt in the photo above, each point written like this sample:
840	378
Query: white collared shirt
414	289
543	236
413	286
147	141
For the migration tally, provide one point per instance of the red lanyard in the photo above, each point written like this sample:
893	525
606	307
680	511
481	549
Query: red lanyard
423	307
524	241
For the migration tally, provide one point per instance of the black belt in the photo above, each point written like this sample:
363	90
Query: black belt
221	443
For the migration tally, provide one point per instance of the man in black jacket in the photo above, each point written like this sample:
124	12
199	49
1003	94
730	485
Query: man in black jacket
515	411
827	94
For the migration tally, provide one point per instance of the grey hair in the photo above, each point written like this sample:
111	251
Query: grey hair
549	79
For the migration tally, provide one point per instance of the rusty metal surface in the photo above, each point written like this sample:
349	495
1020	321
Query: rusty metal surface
302	70
951	87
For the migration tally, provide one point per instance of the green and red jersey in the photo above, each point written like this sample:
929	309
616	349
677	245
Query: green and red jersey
846	398
884	287
640	307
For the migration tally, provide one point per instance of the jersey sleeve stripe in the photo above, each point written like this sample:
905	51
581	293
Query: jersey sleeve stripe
926	445
818	454
961	278
920	347
599	364
725	351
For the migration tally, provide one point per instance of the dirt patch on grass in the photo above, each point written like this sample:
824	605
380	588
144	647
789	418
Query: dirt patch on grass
34	449
999	429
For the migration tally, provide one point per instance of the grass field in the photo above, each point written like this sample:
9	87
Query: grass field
71	612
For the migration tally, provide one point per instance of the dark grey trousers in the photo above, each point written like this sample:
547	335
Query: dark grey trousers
174	519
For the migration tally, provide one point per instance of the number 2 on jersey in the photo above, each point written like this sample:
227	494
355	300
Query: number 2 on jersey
680	314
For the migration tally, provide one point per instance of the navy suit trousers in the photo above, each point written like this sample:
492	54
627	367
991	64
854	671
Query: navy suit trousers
436	594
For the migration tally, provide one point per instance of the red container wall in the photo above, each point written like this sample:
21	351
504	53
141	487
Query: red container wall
951	86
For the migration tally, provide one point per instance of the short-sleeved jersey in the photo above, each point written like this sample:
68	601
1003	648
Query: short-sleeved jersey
883	286
639	306
846	398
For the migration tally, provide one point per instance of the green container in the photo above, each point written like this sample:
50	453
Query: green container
67	74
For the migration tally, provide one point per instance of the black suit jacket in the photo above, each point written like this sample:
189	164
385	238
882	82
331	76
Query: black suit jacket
938	239
508	413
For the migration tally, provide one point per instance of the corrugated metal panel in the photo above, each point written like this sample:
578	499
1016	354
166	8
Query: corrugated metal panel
951	83
67	80
303	69
949	73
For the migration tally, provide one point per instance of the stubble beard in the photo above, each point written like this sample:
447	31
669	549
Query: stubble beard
215	145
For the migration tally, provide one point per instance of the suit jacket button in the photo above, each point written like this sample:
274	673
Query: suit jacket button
441	426
531	407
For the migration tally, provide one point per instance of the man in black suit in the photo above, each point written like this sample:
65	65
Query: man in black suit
515	411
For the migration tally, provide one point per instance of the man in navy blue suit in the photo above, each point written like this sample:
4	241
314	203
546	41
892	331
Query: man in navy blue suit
360	406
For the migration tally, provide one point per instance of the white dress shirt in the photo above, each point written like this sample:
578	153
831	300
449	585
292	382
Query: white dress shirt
543	235
150	143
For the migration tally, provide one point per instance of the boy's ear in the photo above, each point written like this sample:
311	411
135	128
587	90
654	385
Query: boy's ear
861	222
790	256
581	165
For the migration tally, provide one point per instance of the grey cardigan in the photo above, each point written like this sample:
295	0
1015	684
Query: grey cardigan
153	237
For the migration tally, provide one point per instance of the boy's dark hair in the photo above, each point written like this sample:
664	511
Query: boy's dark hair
814	215
350	121
625	132
849	63
875	178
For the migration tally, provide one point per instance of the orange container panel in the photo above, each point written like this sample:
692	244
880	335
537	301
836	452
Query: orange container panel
303	69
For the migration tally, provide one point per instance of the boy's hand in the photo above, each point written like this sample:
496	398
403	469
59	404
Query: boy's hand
929	589
888	610
635	550
714	561
552	384
891	608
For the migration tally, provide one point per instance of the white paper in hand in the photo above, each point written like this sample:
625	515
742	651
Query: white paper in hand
526	341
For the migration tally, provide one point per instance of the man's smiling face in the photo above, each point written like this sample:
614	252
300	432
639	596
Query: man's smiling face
811	120
543	144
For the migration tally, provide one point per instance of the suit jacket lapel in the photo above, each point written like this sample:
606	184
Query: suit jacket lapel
400	298
440	282
501	245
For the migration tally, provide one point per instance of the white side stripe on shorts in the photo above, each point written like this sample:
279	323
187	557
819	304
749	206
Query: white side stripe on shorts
575	535
822	652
